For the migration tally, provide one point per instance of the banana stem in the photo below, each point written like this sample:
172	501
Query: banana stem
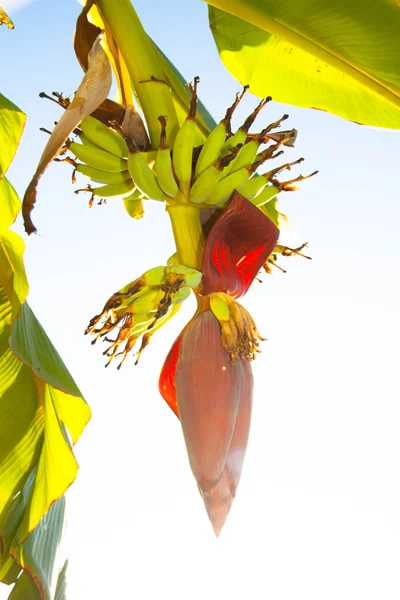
142	63
188	234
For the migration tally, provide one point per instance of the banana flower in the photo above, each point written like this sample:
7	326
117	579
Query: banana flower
207	379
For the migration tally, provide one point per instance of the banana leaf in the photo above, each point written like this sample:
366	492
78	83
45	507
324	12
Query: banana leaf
42	412
341	57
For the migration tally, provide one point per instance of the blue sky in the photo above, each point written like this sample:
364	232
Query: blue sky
316	513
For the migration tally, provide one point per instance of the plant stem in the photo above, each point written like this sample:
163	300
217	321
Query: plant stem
142	63
188	234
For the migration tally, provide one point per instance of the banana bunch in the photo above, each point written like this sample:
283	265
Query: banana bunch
141	307
205	176
226	162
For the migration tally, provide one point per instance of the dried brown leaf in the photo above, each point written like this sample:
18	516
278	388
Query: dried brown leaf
92	91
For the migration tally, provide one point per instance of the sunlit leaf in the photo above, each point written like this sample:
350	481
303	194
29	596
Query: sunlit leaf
42	413
12	122
342	57
5	19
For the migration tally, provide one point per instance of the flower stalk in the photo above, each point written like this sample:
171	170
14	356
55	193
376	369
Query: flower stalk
141	60
188	234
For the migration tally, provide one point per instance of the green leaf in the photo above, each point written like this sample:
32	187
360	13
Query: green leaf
42	413
12	122
10	206
342	57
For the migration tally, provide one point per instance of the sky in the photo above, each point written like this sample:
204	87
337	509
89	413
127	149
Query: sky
317	510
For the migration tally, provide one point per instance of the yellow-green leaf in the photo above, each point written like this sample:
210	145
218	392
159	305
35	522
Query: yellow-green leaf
42	414
342	57
5	19
12	122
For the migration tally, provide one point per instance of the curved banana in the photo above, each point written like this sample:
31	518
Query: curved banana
191	277
103	136
183	146
99	176
110	190
247	154
203	187
226	186
215	142
252	188
86	141
239	137
98	158
269	192
165	174
134	205
142	174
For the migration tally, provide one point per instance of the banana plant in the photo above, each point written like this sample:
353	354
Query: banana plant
225	219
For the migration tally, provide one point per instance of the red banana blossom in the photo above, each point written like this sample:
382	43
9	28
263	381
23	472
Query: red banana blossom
207	378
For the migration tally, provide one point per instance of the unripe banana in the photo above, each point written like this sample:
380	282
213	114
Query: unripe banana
146	303
86	141
211	148
181	295
99	176
219	307
134	205
164	169
225	187
215	142
98	158
184	142
247	154
253	186
121	189
203	187
104	137
191	276
241	134
142	174
268	193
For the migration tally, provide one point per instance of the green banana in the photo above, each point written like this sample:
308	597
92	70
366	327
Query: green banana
215	142
134	204
219	307
191	276
252	143
110	190
86	141
225	187
99	176
251	188
164	169
204	185
103	136
98	158
239	137
142	174
183	147
269	192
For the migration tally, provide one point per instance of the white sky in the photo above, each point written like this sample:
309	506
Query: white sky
317	510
